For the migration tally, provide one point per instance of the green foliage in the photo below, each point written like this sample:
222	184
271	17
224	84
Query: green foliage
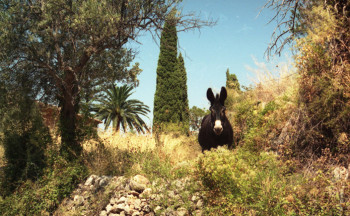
232	81
242	182
43	196
246	183
165	97
182	101
170	100
115	107
25	140
69	46
196	117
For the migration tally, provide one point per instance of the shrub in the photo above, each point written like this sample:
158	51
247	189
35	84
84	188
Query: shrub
43	196
242	182
25	141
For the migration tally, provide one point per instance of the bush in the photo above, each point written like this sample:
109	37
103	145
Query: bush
43	196
242	182
25	141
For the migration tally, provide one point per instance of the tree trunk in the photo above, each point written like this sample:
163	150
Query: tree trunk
117	128
70	147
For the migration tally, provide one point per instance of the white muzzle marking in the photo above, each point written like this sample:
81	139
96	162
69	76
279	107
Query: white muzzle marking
218	127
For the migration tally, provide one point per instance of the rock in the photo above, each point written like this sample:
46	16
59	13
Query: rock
121	200
340	173
134	204
103	182
171	194
199	204
134	193
181	211
195	198
146	208
109	208
157	209
197	213
79	200
136	213
113	201
146	193
90	180
103	213
139	183
118	208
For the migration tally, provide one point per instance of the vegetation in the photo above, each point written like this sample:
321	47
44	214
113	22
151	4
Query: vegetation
170	101
232	81
117	108
196	117
44	195
323	65
66	44
182	94
291	128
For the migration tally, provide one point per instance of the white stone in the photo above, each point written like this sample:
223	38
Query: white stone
199	204
122	200
181	212
340	173
139	183
90	180
79	200
109	208
146	193
103	213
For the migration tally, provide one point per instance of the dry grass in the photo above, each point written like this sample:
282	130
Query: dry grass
273	79
176	147
118	153
128	141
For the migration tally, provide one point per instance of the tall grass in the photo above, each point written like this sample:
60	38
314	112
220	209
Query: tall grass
273	79
128	153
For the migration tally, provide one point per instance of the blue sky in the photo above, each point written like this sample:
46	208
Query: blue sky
240	35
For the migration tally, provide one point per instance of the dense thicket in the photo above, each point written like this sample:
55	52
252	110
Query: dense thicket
23	135
320	30
323	64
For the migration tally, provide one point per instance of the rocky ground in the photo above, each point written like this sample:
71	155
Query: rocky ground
113	196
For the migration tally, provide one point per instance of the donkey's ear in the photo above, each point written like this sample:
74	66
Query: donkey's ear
223	96
210	96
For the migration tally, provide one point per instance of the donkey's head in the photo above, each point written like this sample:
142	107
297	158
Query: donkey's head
217	109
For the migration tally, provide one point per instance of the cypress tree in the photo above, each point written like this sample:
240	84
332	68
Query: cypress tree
171	101
232	81
183	98
165	97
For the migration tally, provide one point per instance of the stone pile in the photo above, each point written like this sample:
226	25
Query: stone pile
137	196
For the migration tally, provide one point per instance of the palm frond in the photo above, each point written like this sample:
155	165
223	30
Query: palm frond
115	107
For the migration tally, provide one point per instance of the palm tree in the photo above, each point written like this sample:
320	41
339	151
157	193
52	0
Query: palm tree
117	108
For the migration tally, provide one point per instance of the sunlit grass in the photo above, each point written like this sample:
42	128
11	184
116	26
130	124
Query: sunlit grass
273	79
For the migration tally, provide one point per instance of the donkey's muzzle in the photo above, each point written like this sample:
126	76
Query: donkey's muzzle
218	127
